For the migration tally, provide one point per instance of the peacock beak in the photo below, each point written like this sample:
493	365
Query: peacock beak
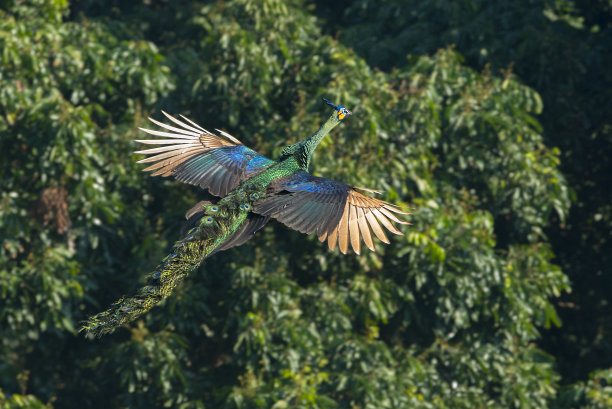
343	112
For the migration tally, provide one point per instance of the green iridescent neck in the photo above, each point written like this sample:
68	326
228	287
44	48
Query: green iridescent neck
303	150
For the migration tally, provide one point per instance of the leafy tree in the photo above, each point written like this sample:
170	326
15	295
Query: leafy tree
562	49
445	316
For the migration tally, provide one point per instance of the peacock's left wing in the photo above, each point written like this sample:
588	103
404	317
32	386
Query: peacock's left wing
196	156
334	210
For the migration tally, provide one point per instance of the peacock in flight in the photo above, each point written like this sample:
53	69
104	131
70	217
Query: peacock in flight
251	189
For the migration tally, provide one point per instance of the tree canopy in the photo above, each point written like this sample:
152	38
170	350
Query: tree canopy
491	122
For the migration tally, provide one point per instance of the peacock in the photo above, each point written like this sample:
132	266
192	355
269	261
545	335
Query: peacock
250	189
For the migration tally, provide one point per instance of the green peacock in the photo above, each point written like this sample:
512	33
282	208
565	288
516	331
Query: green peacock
251	189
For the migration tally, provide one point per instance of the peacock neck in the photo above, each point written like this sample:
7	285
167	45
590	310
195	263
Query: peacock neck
306	148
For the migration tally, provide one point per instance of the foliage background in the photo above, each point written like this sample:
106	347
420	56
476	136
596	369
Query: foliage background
491	120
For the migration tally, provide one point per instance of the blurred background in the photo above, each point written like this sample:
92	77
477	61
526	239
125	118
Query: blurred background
492	121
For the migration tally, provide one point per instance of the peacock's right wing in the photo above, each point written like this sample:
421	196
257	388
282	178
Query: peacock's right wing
196	156
334	210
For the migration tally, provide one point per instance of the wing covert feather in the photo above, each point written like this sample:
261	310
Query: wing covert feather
335	211
196	156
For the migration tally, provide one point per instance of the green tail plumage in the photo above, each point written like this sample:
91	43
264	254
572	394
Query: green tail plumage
218	224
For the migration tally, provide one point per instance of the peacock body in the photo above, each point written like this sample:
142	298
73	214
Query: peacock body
251	189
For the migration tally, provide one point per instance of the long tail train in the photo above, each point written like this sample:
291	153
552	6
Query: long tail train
185	257
218	228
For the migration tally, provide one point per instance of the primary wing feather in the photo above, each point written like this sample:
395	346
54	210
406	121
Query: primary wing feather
334	210
196	156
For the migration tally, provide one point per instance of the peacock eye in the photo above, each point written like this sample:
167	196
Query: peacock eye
342	112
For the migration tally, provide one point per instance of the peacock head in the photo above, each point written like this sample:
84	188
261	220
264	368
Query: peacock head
341	112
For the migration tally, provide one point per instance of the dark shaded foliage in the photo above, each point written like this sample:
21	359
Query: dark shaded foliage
562	49
456	313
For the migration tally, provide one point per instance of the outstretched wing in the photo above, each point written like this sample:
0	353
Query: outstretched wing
193	155
334	210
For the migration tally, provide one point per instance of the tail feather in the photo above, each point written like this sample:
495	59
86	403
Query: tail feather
216	225
186	256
